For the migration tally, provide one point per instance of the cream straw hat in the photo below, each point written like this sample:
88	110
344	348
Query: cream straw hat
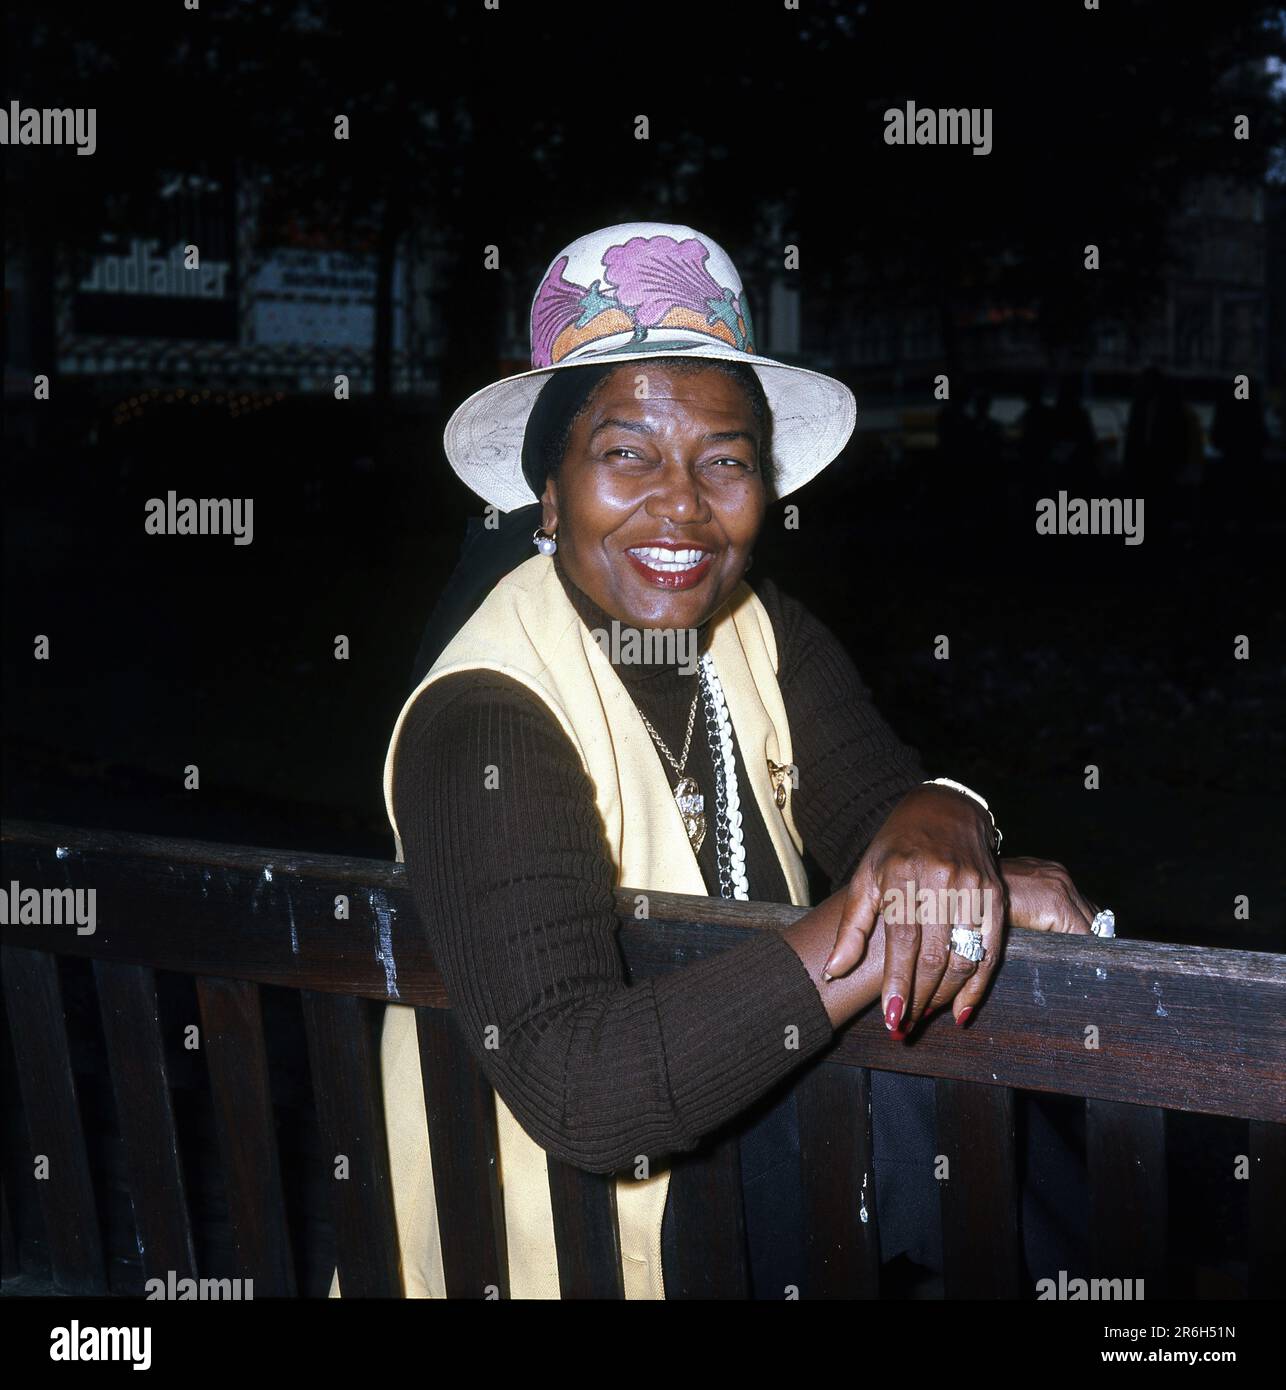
627	293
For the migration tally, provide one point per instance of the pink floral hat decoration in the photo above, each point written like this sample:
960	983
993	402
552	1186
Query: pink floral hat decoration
627	293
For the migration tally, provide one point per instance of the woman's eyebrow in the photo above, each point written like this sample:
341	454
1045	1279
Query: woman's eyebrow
640	427
637	426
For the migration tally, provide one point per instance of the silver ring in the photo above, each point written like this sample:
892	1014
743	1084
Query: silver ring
1104	923
967	942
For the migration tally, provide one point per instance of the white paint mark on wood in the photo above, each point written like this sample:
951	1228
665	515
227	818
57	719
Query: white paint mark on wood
384	952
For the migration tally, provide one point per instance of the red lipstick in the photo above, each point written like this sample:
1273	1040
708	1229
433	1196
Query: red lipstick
672	579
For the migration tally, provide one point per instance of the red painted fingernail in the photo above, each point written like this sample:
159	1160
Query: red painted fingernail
893	1013
928	1013
964	1016
898	1035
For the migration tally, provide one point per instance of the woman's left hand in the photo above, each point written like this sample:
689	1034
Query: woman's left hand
939	839
929	867
1042	896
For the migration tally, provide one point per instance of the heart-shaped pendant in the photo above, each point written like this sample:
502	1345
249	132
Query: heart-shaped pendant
691	804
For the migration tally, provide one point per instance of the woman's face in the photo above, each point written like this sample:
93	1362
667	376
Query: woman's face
676	470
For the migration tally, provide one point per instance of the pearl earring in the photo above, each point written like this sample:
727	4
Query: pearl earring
545	544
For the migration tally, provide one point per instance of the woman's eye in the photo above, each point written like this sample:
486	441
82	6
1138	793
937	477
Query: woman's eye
623	451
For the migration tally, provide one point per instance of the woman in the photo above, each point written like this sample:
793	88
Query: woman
536	767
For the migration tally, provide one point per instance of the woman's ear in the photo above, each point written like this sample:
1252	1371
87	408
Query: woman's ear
549	507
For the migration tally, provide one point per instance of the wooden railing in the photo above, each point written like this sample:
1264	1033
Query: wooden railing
1175	1028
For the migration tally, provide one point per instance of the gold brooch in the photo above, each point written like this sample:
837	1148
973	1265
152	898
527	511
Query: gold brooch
779	772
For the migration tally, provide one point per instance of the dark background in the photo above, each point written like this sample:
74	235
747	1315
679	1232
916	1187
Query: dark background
516	128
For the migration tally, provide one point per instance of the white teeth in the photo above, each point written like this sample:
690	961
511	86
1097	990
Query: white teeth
669	561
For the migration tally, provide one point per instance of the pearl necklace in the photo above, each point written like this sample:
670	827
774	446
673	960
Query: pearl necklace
733	882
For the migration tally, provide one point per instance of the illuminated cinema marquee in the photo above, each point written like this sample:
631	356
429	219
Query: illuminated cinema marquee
140	271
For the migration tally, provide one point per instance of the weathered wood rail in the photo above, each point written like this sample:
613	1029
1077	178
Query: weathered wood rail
1177	1028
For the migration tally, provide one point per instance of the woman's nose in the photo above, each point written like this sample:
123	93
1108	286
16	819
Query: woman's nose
678	495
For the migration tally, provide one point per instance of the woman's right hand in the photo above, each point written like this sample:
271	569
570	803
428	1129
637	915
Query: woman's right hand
1040	895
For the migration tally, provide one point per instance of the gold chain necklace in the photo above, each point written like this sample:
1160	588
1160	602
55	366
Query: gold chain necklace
687	794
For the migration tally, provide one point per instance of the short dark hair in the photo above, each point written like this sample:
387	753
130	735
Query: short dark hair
554	445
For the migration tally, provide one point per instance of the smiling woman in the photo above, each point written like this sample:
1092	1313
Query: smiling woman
530	774
659	493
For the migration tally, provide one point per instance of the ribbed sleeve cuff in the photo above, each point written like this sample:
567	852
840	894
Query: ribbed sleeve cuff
734	1025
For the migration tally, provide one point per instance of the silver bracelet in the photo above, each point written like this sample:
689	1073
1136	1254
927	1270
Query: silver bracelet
960	787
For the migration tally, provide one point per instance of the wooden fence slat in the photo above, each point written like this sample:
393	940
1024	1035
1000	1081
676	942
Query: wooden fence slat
145	1113
240	1088
461	1111
709	1217
346	1084
38	1030
585	1235
1267	1210
982	1257
838	1162
1126	1151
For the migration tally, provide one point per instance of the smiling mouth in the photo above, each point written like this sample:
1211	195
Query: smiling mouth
660	557
671	568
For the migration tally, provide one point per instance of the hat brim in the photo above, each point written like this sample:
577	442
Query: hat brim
813	416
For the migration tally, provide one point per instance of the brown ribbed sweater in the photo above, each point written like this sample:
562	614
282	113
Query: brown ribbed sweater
515	887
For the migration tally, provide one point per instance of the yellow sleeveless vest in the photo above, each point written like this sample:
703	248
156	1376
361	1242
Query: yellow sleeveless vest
526	628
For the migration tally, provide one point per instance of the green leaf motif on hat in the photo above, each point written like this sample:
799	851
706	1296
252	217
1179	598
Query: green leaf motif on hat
592	303
748	342
725	311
